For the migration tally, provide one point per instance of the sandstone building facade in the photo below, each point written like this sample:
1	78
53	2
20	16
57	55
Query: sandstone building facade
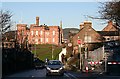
87	34
110	32
39	34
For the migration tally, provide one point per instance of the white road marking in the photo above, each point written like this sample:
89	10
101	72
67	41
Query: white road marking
73	76
67	75
70	75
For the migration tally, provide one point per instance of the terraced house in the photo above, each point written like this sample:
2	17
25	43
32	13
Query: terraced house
39	34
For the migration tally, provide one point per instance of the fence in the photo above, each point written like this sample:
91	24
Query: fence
96	55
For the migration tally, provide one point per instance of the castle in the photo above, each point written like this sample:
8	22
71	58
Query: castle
39	34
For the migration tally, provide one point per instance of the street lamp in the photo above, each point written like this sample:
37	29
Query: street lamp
35	46
52	51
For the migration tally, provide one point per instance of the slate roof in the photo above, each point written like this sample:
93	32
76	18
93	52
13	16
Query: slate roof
108	33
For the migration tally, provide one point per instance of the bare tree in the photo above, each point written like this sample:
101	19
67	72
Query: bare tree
5	20
110	11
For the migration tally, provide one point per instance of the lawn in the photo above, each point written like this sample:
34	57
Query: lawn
44	51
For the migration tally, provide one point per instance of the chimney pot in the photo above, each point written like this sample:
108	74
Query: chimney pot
110	22
81	25
87	23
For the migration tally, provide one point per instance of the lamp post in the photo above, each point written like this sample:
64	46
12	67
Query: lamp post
35	47
52	51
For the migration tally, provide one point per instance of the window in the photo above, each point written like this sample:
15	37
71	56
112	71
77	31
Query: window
41	32
87	39
53	39
32	32
47	33
36	41
46	39
41	39
6	44
36	32
27	33
108	39
53	32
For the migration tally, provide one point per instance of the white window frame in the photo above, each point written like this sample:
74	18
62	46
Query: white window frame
41	39
53	32
36	32
46	39
41	32
36	41
53	40
87	39
32	32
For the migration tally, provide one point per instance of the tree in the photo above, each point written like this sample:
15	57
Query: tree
5	20
111	11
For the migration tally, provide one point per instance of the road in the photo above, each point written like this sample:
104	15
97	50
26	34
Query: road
41	74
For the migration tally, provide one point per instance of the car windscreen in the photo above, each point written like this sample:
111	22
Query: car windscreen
54	63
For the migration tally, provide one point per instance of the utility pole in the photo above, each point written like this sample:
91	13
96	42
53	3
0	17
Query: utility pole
80	57
79	47
105	59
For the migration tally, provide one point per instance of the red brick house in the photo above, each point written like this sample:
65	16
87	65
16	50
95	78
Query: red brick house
39	34
87	34
8	39
110	32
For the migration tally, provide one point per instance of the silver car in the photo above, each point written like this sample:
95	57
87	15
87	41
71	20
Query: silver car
54	67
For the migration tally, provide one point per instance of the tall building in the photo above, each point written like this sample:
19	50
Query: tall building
39	34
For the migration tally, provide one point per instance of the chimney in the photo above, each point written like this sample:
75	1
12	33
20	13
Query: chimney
37	21
81	25
87	23
110	22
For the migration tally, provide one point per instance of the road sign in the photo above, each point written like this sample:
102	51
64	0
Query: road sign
69	44
79	41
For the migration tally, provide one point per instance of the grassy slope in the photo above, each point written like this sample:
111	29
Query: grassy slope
45	51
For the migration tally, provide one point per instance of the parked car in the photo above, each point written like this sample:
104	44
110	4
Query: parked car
39	64
54	67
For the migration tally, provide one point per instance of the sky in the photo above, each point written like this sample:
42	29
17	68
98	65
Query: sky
51	13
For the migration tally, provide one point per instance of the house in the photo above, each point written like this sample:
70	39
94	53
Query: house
110	32
39	34
88	37
8	39
87	34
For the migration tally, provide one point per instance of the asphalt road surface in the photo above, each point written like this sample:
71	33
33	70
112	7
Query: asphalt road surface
41	74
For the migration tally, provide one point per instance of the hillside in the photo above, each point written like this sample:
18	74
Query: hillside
67	30
45	51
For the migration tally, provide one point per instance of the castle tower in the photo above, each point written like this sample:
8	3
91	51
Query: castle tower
37	21
61	33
